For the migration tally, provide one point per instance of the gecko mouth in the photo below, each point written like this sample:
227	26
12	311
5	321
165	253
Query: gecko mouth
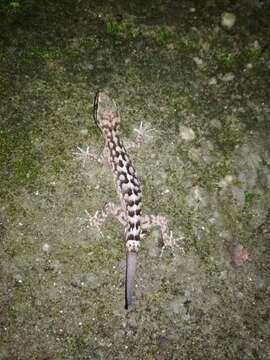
130	277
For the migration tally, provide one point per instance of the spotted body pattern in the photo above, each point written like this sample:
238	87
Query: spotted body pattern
128	187
107	118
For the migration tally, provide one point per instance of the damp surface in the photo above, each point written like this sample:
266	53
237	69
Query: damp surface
197	74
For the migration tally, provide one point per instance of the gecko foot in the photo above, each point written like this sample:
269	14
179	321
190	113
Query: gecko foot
143	133
85	155
95	220
100	216
169	241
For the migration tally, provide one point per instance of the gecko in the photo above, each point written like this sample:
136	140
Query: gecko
107	118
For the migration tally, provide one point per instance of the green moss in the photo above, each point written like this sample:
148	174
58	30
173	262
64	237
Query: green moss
19	161
188	41
251	53
12	10
121	28
43	53
226	59
12	313
163	34
63	53
127	29
250	197
25	169
58	164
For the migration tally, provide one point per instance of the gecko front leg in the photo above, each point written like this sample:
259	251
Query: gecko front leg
85	155
143	135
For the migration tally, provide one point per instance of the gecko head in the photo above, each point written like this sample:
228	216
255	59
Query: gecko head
105	113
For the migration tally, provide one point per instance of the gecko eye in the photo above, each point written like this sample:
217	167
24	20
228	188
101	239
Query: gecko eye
95	108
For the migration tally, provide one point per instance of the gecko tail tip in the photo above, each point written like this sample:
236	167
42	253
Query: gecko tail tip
130	278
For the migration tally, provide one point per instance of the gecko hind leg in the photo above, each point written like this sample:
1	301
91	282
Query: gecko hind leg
167	238
100	216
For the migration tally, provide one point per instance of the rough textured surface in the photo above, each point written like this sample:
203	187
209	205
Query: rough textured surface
205	90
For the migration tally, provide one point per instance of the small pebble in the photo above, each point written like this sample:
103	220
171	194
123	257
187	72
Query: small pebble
18	278
228	20
187	133
257	45
84	132
215	123
198	61
228	179
239	255
228	77
212	81
45	247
